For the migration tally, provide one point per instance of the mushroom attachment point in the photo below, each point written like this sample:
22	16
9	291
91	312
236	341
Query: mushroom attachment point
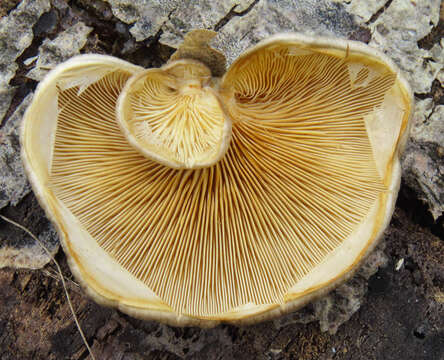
193	199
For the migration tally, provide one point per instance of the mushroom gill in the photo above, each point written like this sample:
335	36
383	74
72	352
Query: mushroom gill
286	209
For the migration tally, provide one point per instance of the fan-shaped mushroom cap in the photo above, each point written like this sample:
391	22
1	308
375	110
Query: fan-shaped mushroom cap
173	116
304	191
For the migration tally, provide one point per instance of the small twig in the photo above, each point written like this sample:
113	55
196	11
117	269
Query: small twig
61	277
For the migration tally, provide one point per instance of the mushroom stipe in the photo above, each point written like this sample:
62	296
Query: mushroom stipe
194	197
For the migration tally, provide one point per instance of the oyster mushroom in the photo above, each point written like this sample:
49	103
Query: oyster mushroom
173	116
164	217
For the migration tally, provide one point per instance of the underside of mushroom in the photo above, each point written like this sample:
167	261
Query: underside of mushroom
191	199
173	116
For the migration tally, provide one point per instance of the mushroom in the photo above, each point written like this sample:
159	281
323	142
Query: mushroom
193	199
173	116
